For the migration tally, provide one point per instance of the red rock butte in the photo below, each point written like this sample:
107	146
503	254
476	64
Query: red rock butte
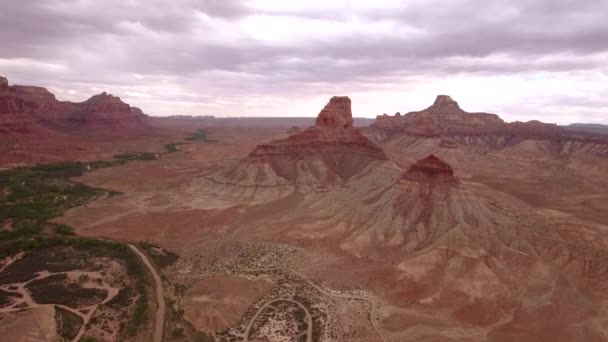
336	114
331	152
31	111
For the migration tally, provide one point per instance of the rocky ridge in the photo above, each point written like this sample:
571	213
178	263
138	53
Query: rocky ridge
444	125
445	117
34	111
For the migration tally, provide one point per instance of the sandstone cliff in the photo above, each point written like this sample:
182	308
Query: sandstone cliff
326	155
29	111
445	117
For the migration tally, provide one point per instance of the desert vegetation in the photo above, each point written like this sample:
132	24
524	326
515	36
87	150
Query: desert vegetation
201	134
96	286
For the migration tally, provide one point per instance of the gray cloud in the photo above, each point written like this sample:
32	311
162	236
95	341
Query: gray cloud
204	46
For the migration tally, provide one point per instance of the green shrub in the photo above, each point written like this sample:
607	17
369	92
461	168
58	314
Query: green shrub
199	135
171	148
177	332
62	229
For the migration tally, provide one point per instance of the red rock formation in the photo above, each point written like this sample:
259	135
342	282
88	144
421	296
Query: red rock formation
445	117
105	112
535	128
430	168
337	113
329	153
29	110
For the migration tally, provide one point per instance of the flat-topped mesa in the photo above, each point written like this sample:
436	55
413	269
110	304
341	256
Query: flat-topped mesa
443	117
336	114
430	168
31	109
106	103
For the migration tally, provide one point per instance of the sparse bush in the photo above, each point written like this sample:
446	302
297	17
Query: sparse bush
199	135
177	332
62	229
68	323
171	148
136	156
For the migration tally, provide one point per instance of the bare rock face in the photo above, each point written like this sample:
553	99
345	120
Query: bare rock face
445	104
106	103
429	169
30	110
432	166
336	114
445	117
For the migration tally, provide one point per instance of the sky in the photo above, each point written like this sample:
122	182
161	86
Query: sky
522	59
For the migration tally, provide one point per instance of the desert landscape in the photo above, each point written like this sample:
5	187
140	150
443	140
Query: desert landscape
231	171
405	229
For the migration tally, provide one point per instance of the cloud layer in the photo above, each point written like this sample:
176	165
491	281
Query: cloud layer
525	59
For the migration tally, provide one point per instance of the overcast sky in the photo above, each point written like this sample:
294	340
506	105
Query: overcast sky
522	59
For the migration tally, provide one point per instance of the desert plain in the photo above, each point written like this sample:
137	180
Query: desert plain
435	225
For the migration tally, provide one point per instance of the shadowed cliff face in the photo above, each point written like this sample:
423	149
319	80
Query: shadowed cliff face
431	166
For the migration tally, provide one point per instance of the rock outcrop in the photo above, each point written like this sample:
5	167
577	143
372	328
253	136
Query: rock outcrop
445	125
430	169
3	85
337	113
30	110
326	155
445	117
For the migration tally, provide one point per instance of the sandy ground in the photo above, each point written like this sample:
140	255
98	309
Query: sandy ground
214	304
34	325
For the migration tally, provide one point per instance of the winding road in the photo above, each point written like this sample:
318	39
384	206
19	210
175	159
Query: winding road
255	317
159	322
361	296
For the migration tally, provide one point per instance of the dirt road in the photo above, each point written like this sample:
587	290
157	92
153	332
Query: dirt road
308	318
159	322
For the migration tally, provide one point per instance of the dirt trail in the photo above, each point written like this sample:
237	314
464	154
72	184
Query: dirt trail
85	313
255	317
361	295
159	322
